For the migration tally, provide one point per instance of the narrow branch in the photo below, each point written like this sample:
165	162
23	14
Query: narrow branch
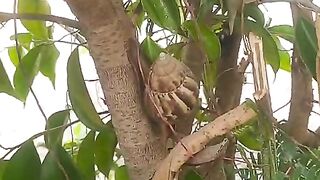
198	140
22	69
11	149
60	20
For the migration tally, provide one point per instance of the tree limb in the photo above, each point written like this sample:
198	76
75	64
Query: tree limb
60	20
197	141
109	32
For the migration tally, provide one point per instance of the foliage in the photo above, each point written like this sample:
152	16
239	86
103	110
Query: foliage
96	153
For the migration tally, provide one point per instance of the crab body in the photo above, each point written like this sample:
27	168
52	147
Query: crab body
172	92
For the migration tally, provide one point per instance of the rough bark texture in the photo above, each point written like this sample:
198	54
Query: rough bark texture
108	31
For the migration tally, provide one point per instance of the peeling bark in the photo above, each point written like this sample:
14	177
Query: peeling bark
108	31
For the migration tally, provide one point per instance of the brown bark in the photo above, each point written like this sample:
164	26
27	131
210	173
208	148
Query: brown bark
229	79
108	31
301	94
228	92
197	141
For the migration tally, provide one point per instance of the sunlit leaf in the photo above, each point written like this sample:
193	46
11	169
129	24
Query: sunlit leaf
306	40
284	31
59	165
24	39
121	173
270	50
54	137
24	164
164	13
151	49
36	27
5	84
85	158
79	96
49	55
13	55
284	55
104	149
26	71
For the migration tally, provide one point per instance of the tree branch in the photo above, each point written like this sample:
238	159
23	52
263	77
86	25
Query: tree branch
197	141
60	20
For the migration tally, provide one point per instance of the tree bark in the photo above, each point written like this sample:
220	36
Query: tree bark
108	31
301	93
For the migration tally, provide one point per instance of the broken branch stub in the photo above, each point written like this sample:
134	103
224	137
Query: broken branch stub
197	141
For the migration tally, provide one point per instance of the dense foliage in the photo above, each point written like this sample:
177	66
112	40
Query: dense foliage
169	26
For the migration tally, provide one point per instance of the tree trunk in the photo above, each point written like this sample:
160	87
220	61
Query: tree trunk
108	31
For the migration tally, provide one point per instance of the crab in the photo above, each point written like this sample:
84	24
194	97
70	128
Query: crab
172	92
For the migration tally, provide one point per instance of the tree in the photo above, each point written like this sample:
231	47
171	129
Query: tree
162	128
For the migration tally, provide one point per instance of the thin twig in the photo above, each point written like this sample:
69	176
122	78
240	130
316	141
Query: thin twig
11	149
316	113
20	60
282	106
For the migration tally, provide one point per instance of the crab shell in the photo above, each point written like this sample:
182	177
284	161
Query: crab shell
173	92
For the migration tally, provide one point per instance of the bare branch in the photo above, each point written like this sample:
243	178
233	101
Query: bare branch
60	20
198	140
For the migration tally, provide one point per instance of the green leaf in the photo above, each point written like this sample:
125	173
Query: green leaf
284	55
191	27
209	40
85	158
165	13
175	49
58	165
254	12
136	13
36	27
3	165
270	50
205	8
151	49
121	173
250	136
212	47
79	96
284	31
25	73
24	164
24	39
211	43
54	137
306	40
13	55
5	84
48	57
105	145
192	175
